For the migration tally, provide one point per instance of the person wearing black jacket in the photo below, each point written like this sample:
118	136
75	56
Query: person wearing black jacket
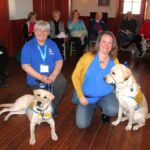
3	63
28	28
128	30
96	26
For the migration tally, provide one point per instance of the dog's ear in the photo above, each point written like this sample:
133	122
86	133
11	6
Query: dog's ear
35	91
51	96
127	73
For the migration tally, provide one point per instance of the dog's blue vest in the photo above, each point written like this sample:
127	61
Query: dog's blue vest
44	116
138	98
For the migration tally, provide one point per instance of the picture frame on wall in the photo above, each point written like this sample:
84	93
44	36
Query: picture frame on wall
103	2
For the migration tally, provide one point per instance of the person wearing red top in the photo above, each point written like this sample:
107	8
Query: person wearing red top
28	29
142	36
145	30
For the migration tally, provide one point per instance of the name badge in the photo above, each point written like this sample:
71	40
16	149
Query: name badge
44	68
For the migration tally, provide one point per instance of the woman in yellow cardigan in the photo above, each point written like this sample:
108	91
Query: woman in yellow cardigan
91	90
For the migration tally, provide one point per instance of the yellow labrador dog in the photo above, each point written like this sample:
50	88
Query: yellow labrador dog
38	109
132	102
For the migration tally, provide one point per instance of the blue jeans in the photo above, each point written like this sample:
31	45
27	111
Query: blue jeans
84	114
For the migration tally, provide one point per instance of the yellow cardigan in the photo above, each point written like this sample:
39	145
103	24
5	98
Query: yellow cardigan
80	70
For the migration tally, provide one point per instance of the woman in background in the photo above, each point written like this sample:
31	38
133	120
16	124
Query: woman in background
57	29
96	25
28	29
78	32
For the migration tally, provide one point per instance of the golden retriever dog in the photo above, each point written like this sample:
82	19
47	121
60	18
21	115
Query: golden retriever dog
132	102
38	109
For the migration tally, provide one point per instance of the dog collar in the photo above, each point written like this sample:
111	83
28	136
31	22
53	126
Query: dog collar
42	114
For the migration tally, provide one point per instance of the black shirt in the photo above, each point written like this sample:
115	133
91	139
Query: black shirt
130	25
56	27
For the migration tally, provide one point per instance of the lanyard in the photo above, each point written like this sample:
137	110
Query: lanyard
42	53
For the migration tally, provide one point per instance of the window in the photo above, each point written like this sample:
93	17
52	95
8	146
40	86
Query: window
132	5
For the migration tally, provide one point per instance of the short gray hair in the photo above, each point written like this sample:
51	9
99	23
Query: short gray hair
43	25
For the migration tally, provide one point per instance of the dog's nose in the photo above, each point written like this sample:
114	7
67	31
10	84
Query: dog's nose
104	78
38	103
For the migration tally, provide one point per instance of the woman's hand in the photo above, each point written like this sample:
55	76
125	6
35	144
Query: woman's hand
43	79
83	100
50	79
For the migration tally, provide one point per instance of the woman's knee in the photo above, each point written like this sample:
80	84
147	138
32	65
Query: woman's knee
110	105
110	111
80	123
84	116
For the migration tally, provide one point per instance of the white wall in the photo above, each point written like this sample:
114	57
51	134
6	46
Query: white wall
19	9
87	6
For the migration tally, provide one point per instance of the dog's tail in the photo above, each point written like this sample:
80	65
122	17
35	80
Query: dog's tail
6	105
148	116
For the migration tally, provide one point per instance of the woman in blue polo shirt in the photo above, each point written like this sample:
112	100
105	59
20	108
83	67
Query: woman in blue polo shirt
42	61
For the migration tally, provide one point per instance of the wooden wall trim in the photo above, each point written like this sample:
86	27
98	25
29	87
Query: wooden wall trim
16	35
4	24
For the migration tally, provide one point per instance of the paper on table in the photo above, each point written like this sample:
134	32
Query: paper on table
61	35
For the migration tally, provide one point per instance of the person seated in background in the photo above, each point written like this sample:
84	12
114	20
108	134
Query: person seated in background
57	30
142	38
128	30
78	32
145	30
42	62
3	64
96	25
28	28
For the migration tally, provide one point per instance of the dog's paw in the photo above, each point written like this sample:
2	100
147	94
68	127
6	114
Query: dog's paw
128	128
6	118
32	141
123	119
136	127
115	123
54	137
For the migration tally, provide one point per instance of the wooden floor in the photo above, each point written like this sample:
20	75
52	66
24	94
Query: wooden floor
14	134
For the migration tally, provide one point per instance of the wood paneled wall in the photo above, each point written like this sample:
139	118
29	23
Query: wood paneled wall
4	23
16	35
44	9
11	31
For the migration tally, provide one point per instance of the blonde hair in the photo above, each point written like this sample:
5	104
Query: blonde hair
114	50
43	25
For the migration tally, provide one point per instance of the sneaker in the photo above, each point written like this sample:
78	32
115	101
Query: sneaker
105	118
55	113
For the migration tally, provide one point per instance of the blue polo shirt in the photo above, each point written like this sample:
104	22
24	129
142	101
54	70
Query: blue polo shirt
94	87
31	55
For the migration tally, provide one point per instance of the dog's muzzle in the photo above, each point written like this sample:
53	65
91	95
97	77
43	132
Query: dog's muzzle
38	103
105	79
